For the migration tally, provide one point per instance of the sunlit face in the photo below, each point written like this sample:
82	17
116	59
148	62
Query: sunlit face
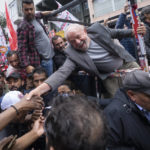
28	11
59	44
141	99
14	61
79	39
38	79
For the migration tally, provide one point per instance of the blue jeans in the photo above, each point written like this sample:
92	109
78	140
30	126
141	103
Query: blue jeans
48	66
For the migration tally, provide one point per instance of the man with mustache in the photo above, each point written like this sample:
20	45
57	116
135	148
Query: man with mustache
14	64
15	82
34	45
59	47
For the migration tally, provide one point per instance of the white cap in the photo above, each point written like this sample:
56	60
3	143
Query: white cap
11	98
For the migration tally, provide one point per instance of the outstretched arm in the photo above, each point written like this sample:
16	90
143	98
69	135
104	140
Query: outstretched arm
123	33
8	115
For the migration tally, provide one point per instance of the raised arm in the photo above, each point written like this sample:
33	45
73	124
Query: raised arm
123	33
123	20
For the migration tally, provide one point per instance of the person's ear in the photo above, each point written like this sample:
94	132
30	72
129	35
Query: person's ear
131	95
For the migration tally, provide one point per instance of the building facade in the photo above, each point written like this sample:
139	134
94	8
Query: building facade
103	9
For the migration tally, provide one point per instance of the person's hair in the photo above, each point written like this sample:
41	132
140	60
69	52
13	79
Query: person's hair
75	123
73	27
39	70
69	84
10	53
145	10
27	2
56	37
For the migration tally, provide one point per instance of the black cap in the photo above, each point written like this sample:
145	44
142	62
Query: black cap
137	80
14	75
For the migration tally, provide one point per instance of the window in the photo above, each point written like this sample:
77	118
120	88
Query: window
102	9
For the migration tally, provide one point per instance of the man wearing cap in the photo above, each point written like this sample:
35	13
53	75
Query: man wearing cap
15	82
128	115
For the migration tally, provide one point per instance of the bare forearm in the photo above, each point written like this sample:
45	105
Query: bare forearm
43	88
25	141
6	117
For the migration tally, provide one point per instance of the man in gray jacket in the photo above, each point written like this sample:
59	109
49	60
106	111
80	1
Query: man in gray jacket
96	51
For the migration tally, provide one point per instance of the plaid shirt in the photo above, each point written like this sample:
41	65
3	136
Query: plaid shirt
28	54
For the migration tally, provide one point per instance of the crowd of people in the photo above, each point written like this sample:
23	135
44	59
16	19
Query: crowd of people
63	94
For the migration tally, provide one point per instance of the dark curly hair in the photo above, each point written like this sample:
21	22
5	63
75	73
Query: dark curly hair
27	2
75	123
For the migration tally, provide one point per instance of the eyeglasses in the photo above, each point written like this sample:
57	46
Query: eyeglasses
66	94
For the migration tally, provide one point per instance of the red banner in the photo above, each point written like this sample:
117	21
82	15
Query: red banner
13	35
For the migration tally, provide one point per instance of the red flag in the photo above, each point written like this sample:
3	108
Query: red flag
13	35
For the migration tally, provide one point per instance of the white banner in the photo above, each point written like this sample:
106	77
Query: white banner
64	15
2	38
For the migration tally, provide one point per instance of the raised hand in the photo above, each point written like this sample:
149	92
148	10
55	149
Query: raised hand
38	126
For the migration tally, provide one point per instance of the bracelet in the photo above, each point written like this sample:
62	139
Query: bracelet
17	112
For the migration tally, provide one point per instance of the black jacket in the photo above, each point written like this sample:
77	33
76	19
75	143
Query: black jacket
59	59
129	129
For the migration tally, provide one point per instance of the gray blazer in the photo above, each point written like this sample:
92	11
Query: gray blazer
105	38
